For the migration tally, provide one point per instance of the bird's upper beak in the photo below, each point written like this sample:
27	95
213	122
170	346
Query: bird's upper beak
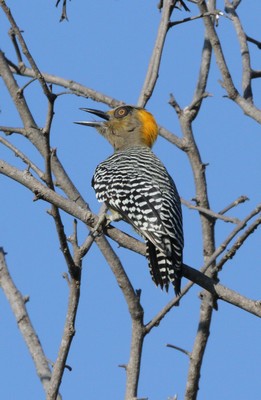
95	124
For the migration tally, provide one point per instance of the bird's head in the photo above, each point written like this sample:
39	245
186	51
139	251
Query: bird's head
125	126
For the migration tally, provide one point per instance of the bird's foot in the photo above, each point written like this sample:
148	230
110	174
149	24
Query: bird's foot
104	221
101	223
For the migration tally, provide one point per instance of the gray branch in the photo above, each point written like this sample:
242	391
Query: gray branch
154	65
227	82
24	323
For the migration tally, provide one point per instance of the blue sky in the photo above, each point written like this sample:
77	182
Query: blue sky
106	45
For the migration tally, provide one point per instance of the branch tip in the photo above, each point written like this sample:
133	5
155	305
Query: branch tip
188	353
26	299
124	366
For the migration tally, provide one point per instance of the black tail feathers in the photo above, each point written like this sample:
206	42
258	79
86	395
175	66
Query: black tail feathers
163	269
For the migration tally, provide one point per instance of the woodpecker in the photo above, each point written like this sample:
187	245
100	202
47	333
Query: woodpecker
137	188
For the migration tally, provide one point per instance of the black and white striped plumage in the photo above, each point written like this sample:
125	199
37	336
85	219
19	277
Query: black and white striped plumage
136	184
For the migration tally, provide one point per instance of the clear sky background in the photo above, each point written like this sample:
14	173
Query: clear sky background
106	45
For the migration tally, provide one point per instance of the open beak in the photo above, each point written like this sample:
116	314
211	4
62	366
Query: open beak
95	124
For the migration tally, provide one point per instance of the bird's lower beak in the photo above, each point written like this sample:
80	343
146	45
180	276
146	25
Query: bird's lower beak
95	124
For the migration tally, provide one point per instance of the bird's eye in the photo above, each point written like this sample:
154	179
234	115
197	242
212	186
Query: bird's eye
121	112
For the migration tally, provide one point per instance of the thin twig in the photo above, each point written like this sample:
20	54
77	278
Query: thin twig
239	200
75	87
64	15
239	242
23	157
173	103
27	84
254	41
26	51
179	349
209	212
17	96
11	33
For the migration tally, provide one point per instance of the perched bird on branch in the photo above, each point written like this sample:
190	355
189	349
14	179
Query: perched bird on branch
137	188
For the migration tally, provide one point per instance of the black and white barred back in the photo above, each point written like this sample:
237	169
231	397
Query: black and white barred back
136	184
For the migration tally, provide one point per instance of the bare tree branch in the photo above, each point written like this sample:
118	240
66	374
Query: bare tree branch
41	191
80	90
227	83
136	313
17	95
69	331
199	347
25	326
246	76
239	200
223	293
64	15
210	212
219	291
10	130
214	13
23	157
74	204
154	64
74	87
46	194
179	349
254	41
26	51
255	74
239	242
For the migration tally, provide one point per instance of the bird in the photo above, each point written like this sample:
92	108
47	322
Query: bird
137	188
